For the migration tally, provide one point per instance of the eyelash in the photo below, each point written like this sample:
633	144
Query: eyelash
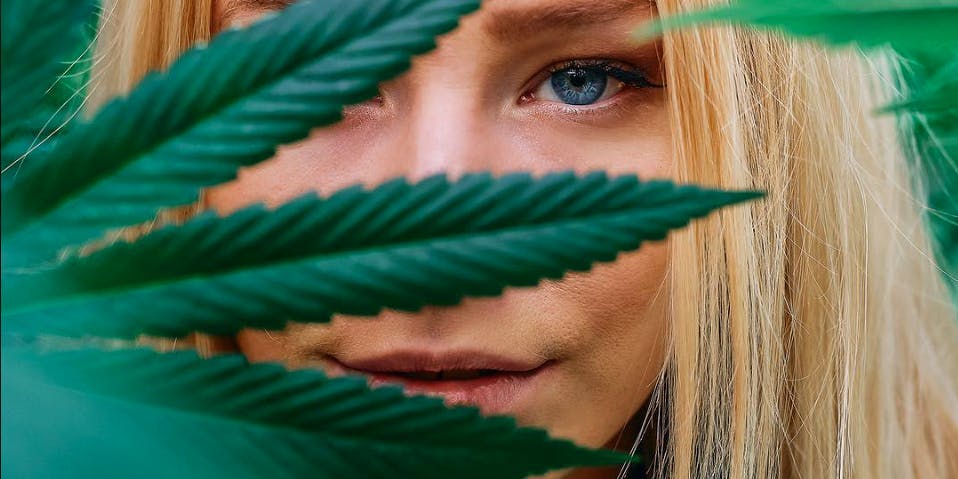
631	76
625	73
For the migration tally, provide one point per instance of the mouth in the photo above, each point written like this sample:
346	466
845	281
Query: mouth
496	385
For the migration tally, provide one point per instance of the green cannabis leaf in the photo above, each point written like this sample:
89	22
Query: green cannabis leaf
263	420
35	55
935	95
929	115
908	25
216	109
399	246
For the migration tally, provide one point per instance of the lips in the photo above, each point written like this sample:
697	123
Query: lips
495	384
448	375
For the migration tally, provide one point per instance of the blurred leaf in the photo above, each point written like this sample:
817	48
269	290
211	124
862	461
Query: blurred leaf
398	246
216	109
934	95
90	413
930	121
905	24
39	42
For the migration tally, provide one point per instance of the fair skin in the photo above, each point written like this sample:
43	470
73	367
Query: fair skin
499	94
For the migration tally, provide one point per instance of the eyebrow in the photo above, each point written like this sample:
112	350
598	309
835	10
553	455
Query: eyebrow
259	3
512	24
232	7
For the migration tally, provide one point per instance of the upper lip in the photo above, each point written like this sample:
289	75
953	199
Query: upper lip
426	361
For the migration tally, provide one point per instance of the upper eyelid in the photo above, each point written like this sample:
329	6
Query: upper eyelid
586	62
640	77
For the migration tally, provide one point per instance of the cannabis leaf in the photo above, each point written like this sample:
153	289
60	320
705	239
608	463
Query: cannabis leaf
929	117
934	95
223	417
399	246
908	25
34	55
216	109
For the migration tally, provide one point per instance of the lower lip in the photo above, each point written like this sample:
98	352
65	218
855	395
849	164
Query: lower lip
500	393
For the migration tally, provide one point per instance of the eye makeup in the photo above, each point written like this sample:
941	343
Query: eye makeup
585	86
628	74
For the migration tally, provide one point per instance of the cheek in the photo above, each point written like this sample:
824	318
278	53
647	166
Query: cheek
332	158
611	325
638	143
613	297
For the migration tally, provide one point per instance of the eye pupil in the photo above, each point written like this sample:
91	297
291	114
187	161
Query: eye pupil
579	86
577	78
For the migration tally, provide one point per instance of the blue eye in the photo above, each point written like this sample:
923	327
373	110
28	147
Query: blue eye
579	86
586	82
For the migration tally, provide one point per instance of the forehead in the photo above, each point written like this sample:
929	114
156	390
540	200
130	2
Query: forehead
507	18
562	9
501	18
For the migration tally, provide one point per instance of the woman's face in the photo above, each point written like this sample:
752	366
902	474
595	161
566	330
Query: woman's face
522	85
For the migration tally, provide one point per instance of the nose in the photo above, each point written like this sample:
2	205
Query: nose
445	129
438	127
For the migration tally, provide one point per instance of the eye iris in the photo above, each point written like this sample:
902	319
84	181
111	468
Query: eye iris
579	86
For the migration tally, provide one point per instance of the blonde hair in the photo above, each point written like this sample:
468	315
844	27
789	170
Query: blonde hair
812	336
